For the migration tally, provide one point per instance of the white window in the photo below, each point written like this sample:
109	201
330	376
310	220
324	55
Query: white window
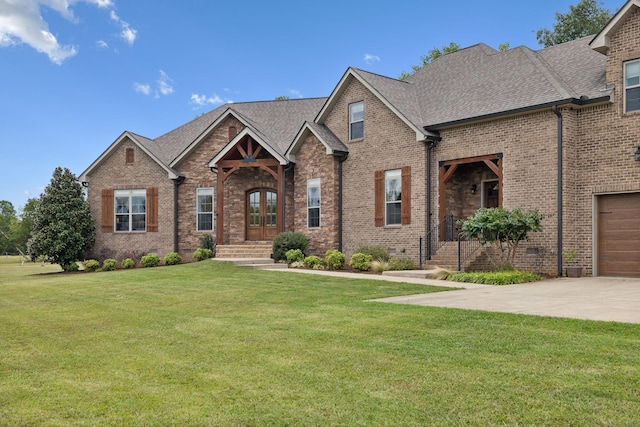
130	210
632	86
356	121
313	203
393	194
205	209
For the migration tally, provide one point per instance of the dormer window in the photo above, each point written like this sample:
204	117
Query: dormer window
632	86
356	121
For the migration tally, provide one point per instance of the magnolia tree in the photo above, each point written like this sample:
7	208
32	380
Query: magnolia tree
504	229
63	229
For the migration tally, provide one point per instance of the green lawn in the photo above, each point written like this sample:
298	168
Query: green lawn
209	344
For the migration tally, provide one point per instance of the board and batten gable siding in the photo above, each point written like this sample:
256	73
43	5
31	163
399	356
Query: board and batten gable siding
114	173
388	144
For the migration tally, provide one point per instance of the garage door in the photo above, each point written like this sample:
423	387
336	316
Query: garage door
619	235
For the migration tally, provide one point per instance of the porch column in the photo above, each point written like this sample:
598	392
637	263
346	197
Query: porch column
220	215
280	185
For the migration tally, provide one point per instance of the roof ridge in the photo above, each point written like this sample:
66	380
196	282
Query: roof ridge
549	73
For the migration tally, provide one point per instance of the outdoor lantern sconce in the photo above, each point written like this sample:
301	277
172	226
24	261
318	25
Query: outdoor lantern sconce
475	187
638	154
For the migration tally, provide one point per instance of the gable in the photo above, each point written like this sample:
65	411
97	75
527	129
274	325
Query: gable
602	41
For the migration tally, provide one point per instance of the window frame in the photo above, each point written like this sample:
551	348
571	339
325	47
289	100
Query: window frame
627	88
353	122
393	175
204	191
314	183
130	215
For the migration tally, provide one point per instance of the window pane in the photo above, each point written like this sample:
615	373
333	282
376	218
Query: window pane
633	99
205	203
314	218
122	222
205	222
632	74
122	205
138	204
393	186
393	213
356	112
313	197
138	222
357	130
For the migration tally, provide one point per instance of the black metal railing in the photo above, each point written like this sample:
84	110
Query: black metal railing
466	248
436	238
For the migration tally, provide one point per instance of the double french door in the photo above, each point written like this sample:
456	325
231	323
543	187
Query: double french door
262	214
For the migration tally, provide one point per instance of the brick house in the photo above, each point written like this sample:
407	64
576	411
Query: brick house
397	163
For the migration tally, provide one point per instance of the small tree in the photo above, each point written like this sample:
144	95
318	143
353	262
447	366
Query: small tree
63	229
504	229
583	19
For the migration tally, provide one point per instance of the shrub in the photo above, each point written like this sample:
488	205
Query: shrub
91	265
401	264
208	242
440	273
286	241
379	265
496	278
150	260
294	255
72	267
376	252
360	262
202	253
334	259
297	264
128	263
109	264
172	258
314	262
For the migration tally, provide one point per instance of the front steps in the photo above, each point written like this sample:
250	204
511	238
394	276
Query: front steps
249	254
447	257
245	250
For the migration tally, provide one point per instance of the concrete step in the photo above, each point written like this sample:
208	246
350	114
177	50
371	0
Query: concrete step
257	263
248	250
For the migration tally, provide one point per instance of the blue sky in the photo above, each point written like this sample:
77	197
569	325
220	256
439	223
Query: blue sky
74	74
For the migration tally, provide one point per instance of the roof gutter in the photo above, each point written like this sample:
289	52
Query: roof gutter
559	249
342	157
583	101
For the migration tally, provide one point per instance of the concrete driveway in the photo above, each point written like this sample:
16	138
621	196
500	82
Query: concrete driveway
608	299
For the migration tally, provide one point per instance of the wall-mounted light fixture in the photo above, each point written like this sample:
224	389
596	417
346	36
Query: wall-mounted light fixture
638	154
474	187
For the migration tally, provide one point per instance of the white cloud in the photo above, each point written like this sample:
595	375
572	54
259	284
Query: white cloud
142	88
21	21
102	44
369	58
128	34
202	100
295	93
163	84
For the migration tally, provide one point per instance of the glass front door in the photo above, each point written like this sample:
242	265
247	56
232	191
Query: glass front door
262	218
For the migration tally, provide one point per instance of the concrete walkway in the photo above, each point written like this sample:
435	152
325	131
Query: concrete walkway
589	298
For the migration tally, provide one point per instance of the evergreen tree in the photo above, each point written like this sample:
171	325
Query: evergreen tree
63	228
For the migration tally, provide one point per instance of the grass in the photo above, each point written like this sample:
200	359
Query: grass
210	344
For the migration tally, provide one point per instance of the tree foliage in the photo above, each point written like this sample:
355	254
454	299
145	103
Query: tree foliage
7	217
63	229
583	19
504	229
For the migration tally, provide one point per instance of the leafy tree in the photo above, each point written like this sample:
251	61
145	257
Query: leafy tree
433	54
504	229
7	216
282	98
583	19
21	227
63	229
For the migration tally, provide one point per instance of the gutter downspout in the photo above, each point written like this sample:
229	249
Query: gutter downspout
555	110
176	182
432	142
341	160
284	195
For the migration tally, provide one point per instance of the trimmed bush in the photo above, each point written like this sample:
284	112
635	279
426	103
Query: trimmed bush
202	253
172	258
91	265
377	252
360	262
150	260
294	255
401	264
208	242
496	277
334	259
314	262
109	264
128	263
72	267
286	241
